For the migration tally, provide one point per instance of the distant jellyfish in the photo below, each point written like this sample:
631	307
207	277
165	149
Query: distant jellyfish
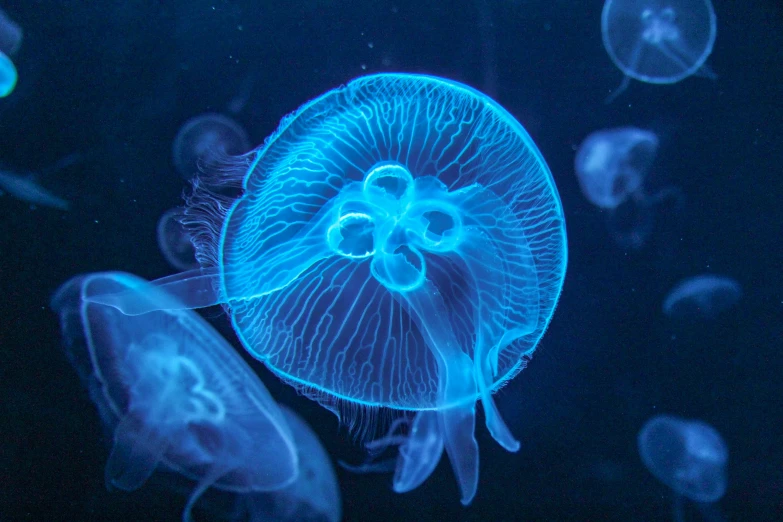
611	166
314	496
204	140
10	35
174	241
8	75
658	42
688	456
176	395
702	297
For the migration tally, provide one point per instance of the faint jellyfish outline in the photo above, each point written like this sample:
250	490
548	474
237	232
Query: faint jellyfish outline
659	43
703	296
611	166
166	386
8	75
314	495
174	240
11	34
206	139
688	456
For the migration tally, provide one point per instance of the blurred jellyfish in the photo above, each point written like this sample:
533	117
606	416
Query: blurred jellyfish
174	241
24	187
175	394
702	297
8	75
400	243
658	42
314	496
689	456
10	35
205	140
611	166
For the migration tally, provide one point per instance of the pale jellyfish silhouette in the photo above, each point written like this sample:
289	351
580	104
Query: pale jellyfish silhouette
314	496
10	35
24	186
206	140
690	457
657	41
175	394
702	297
611	166
174	241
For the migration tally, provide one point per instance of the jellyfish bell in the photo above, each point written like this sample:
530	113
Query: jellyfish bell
175	395
205	140
174	241
611	164
689	456
400	243
658	42
702	297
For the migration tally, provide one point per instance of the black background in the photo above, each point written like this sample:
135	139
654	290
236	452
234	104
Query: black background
114	80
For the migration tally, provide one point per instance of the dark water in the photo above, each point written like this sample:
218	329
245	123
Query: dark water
114	80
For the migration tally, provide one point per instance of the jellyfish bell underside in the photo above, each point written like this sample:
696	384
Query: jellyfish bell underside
174	393
204	141
658	42
688	456
386	254
704	296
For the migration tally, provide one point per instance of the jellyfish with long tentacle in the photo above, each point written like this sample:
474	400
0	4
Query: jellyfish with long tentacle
399	242
658	42
174	394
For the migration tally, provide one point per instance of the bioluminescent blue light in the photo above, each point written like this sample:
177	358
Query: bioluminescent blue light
658	42
204	140
611	166
702	297
175	394
314	496
8	75
689	456
400	242
10	35
174	241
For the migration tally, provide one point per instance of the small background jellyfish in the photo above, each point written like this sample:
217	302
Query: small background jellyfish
174	394
204	140
702	297
658	42
611	166
174	241
690	457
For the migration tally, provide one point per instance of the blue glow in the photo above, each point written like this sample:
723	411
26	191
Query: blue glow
689	456
175	394
656	42
8	75
400	243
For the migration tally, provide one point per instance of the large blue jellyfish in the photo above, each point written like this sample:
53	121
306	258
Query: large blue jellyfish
174	394
399	242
